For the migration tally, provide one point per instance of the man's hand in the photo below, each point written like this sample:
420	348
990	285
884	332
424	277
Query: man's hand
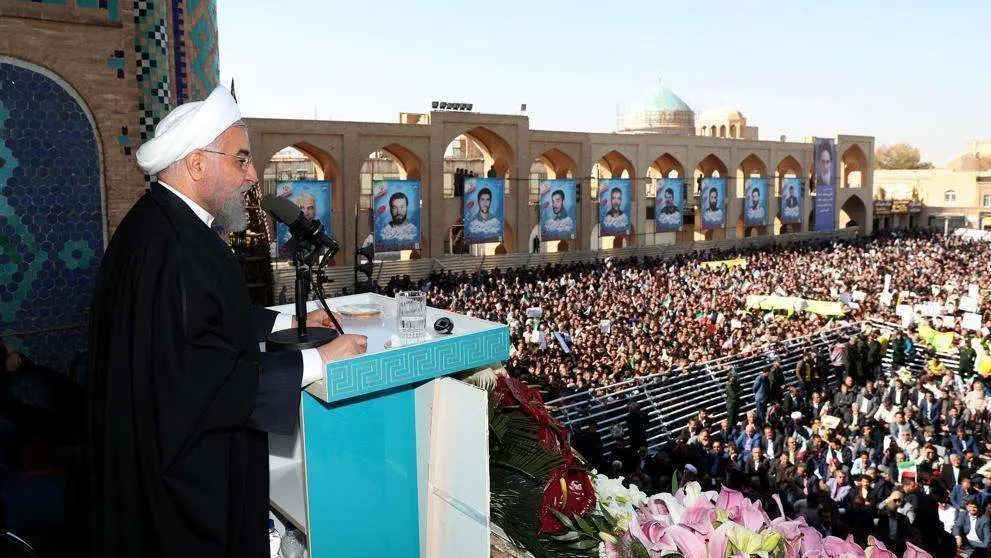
343	346
316	318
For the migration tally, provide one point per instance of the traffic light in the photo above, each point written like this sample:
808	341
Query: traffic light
364	259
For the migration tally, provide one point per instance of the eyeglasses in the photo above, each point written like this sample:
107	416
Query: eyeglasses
243	160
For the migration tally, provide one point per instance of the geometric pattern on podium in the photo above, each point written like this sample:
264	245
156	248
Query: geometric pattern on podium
376	372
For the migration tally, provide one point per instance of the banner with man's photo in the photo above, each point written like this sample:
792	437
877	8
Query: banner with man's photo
313	197
482	209
755	202
712	206
669	204
824	151
614	207
558	210
396	204
791	200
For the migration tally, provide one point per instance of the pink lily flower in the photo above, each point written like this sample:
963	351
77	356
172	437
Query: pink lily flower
741	510
835	547
912	551
876	549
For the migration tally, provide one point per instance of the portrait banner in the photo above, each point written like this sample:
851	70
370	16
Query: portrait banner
713	203
396	204
558	210
614	207
313	197
483	207
791	200
824	150
669	204
755	202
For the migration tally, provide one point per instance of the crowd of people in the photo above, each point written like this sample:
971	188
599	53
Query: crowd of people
584	325
856	447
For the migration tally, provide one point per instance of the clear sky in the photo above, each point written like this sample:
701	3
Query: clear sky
910	70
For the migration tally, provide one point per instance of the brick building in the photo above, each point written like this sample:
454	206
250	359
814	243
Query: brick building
82	83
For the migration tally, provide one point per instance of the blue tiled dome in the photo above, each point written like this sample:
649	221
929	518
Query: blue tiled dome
659	98
658	111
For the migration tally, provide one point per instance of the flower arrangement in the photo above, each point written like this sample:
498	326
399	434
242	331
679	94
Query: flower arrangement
547	501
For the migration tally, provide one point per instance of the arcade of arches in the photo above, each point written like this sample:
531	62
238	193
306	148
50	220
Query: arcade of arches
353	155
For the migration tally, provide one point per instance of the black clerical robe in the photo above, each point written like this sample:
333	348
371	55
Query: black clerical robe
179	397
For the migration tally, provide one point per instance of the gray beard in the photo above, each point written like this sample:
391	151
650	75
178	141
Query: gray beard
233	216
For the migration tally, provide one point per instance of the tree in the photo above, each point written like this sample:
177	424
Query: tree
899	156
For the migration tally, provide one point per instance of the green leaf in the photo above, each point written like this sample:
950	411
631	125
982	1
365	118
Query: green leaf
674	482
602	524
585	545
584	526
567	537
605	513
563	519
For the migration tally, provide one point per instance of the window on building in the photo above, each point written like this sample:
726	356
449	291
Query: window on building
950	196
987	200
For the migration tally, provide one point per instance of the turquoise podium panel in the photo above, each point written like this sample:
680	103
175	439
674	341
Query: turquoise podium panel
360	476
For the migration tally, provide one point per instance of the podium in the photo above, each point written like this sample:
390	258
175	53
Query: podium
390	457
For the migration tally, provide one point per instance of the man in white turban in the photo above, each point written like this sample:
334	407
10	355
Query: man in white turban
180	401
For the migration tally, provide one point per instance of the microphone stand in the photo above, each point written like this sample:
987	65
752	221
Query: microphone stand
305	255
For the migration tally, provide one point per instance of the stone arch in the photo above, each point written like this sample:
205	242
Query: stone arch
558	163
499	154
324	168
551	164
722	131
611	165
854	213
788	167
751	166
854	163
732	130
665	166
51	170
394	161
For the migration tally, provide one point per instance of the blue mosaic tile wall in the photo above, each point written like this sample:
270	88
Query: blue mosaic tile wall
151	55
51	218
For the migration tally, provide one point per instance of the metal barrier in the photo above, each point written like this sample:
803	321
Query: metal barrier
670	400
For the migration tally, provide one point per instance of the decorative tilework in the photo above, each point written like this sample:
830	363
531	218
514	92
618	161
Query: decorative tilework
201	48
117	62
179	51
151	50
51	215
376	372
124	140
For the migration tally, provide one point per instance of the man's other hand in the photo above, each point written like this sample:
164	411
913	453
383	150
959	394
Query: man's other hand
343	346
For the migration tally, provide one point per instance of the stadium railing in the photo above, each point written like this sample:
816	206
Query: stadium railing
671	399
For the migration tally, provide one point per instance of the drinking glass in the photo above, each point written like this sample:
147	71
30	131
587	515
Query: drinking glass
411	314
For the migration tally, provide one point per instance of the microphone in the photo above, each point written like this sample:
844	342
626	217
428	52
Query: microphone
287	213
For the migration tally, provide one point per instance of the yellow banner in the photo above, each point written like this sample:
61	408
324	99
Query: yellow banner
825	308
793	304
942	341
723	263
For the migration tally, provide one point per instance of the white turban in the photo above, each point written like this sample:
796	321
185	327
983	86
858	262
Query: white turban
190	126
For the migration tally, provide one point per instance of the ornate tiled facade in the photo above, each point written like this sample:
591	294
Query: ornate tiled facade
51	214
66	65
152	59
201	48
